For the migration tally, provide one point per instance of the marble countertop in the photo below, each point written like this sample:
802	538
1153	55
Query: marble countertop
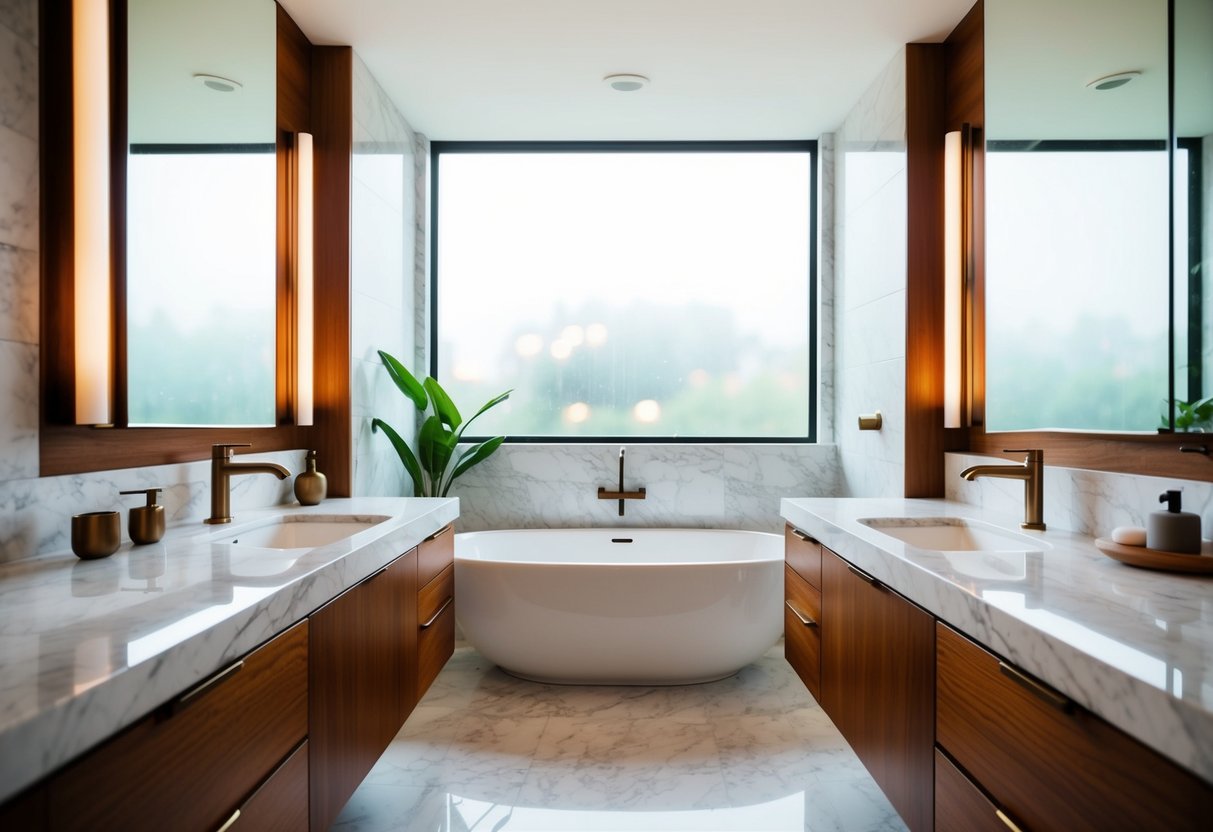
1132	645
89	647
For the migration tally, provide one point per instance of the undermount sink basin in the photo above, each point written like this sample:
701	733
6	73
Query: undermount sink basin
954	534
300	531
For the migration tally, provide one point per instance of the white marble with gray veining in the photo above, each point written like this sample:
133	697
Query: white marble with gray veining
750	752
531	485
1134	646
825	292
89	647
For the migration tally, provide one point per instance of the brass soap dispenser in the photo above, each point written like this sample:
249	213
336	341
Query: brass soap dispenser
146	522
311	486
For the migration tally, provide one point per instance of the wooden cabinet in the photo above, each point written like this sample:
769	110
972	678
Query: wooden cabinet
362	659
878	684
199	757
280	804
435	607
1046	762
959	804
802	553
802	629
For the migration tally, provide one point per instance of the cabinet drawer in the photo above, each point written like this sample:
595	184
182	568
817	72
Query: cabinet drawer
803	554
435	553
802	641
280	804
1047	762
195	760
959	805
436	625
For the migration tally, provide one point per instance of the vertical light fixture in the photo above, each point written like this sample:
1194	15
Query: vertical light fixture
91	211
304	280
956	274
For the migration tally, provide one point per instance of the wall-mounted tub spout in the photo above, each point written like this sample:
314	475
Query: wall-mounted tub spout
620	494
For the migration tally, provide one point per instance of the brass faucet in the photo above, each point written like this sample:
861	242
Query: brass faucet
1031	472
222	469
621	495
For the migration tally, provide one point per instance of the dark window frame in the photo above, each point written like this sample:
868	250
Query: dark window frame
809	146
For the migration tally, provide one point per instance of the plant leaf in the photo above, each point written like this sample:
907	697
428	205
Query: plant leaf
435	444
405	380
491	403
405	453
473	456
443	406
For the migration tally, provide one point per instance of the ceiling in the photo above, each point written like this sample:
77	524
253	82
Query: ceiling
532	69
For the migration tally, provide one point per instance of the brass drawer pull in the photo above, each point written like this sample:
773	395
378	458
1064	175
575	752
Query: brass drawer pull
1010	824
449	600
1041	691
804	619
439	533
183	701
863	576
799	535
230	821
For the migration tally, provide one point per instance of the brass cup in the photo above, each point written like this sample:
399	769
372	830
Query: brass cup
96	534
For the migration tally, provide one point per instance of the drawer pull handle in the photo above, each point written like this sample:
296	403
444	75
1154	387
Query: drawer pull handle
1043	692
1010	824
441	610
191	695
863	576
230	821
439	533
804	619
799	535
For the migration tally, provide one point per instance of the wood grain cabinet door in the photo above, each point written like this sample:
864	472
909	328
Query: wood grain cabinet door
878	684
358	671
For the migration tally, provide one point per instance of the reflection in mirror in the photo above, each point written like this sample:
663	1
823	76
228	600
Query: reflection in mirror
201	213
1193	207
1077	218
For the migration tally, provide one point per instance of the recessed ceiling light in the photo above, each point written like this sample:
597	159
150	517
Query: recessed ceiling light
625	82
1111	82
217	83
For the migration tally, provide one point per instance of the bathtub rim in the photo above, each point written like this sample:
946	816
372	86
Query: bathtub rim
775	558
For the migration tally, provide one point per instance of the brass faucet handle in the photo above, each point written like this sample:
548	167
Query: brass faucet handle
224	450
1034	454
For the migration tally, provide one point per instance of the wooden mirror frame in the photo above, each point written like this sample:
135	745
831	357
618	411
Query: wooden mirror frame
66	448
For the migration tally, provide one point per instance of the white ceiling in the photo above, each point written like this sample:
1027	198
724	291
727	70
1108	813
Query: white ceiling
532	69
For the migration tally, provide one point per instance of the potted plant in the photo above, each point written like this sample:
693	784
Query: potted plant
435	463
1191	417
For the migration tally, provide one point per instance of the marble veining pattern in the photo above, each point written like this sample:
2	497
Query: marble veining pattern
528	485
18	83
21	17
486	750
89	647
1078	500
35	513
825	292
18	295
18	190
18	410
1132	645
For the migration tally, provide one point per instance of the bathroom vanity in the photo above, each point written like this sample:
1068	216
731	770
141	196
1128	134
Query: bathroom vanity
246	678
992	679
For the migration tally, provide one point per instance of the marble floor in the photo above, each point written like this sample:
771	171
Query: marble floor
487	752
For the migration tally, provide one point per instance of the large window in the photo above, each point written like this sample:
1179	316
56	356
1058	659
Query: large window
628	291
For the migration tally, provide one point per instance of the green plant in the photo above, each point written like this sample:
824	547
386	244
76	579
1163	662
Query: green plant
1194	416
435	464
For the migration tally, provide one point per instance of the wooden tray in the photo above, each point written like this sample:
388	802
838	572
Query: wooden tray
1154	559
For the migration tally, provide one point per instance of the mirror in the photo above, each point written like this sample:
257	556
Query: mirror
1193	208
201	213
1077	215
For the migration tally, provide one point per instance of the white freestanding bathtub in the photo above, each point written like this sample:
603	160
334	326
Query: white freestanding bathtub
620	606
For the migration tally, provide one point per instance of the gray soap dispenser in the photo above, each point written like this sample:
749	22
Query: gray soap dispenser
1173	530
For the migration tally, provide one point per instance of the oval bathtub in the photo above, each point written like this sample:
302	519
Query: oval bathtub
620	606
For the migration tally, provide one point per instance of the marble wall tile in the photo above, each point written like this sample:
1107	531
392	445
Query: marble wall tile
18	83
698	486
20	17
18	295
383	275
18	410
825	292
1078	500
421	253
18	190
35	514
